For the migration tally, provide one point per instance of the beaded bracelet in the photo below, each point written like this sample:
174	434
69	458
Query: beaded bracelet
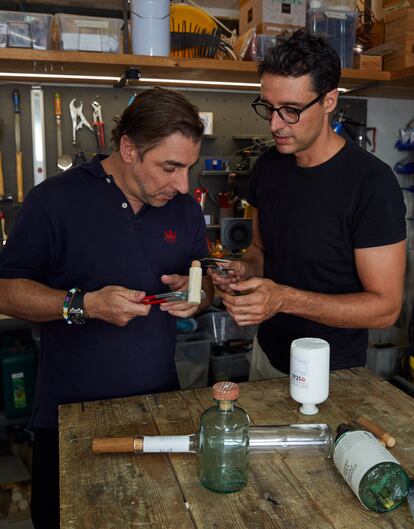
67	302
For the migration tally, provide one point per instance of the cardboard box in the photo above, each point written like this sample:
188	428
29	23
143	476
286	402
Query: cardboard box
404	57
398	22
268	28
394	5
369	62
262	14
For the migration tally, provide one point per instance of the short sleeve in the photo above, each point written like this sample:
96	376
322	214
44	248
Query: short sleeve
28	253
252	197
379	213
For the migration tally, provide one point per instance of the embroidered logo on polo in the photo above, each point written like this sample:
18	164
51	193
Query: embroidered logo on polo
170	236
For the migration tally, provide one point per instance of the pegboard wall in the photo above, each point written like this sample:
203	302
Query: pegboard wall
235	125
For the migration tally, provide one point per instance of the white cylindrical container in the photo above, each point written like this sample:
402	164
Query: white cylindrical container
150	20
194	283
309	373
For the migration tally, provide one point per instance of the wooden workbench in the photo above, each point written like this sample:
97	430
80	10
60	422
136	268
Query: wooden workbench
160	491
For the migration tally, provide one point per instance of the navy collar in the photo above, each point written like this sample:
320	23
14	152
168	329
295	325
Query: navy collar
95	167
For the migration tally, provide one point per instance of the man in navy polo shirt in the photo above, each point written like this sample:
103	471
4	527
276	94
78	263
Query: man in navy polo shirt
86	248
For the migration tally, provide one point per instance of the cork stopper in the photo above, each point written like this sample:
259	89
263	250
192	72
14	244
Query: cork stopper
195	264
226	391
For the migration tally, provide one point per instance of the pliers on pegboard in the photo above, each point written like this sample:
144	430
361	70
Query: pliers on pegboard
98	125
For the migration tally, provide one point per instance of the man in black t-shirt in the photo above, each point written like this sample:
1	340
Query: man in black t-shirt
328	253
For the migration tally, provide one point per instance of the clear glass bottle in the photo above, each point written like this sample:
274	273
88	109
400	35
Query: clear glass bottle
284	439
224	441
298	440
375	476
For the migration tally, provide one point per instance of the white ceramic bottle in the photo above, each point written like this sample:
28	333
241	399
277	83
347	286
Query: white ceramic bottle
309	373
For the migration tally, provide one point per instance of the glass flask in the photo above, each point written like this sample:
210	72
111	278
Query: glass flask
224	441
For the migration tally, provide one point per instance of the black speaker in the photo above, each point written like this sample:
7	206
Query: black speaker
236	234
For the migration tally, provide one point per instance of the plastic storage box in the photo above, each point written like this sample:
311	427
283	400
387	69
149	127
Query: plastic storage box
384	359
80	33
230	366
336	21
223	328
25	30
260	45
18	380
192	359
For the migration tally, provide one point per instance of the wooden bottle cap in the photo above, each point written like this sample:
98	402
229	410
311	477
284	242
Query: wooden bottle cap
226	391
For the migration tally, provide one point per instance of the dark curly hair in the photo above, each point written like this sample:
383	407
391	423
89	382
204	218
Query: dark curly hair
154	115
301	53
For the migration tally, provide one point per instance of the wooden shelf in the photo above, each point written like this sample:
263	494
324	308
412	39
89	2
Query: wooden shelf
32	62
397	84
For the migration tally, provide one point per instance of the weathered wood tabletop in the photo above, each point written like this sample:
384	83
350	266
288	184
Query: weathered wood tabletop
160	491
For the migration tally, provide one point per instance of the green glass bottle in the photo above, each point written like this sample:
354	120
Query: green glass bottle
224	441
375	476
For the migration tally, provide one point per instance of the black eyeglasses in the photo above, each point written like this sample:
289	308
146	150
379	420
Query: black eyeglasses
289	115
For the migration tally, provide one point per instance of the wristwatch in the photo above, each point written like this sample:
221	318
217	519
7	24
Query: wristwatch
77	313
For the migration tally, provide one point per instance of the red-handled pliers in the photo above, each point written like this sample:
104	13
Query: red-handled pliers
98	124
156	299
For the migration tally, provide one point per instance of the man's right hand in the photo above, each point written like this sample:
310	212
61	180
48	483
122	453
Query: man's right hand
116	305
235	271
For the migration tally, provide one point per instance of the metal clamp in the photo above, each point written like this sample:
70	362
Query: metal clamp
78	119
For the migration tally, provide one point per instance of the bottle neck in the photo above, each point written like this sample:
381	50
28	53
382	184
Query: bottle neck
225	405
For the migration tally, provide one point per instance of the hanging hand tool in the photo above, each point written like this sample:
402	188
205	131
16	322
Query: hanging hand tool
64	161
99	125
77	114
3	235
3	197
131	99
19	160
38	134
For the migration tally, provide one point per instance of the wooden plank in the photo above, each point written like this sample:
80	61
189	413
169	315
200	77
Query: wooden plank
108	491
282	492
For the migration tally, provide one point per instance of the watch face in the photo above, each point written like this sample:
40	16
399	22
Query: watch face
77	316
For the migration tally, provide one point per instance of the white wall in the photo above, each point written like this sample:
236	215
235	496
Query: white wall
388	116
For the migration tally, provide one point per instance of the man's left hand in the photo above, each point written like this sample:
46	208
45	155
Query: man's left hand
256	300
180	309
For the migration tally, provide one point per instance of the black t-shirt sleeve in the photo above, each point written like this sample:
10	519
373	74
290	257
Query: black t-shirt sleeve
28	253
252	197
379	212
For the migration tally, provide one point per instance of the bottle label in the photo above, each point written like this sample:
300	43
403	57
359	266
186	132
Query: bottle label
355	453
299	371
166	443
19	393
